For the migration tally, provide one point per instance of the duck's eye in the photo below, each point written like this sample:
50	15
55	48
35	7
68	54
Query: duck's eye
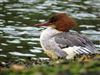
53	19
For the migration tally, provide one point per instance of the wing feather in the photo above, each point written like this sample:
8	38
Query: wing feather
70	39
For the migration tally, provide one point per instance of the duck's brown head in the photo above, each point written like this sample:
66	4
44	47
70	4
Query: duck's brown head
60	21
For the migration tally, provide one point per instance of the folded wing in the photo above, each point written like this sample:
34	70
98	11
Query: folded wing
74	39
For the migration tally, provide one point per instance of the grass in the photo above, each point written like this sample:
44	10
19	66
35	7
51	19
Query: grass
45	68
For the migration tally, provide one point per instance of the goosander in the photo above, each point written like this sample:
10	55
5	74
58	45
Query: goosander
58	41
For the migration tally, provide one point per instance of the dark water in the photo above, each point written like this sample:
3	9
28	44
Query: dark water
19	39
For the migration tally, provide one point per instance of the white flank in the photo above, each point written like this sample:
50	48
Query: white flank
71	51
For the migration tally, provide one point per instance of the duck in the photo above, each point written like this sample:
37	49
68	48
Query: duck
58	41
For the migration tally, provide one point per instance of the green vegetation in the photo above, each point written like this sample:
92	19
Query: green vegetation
67	68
